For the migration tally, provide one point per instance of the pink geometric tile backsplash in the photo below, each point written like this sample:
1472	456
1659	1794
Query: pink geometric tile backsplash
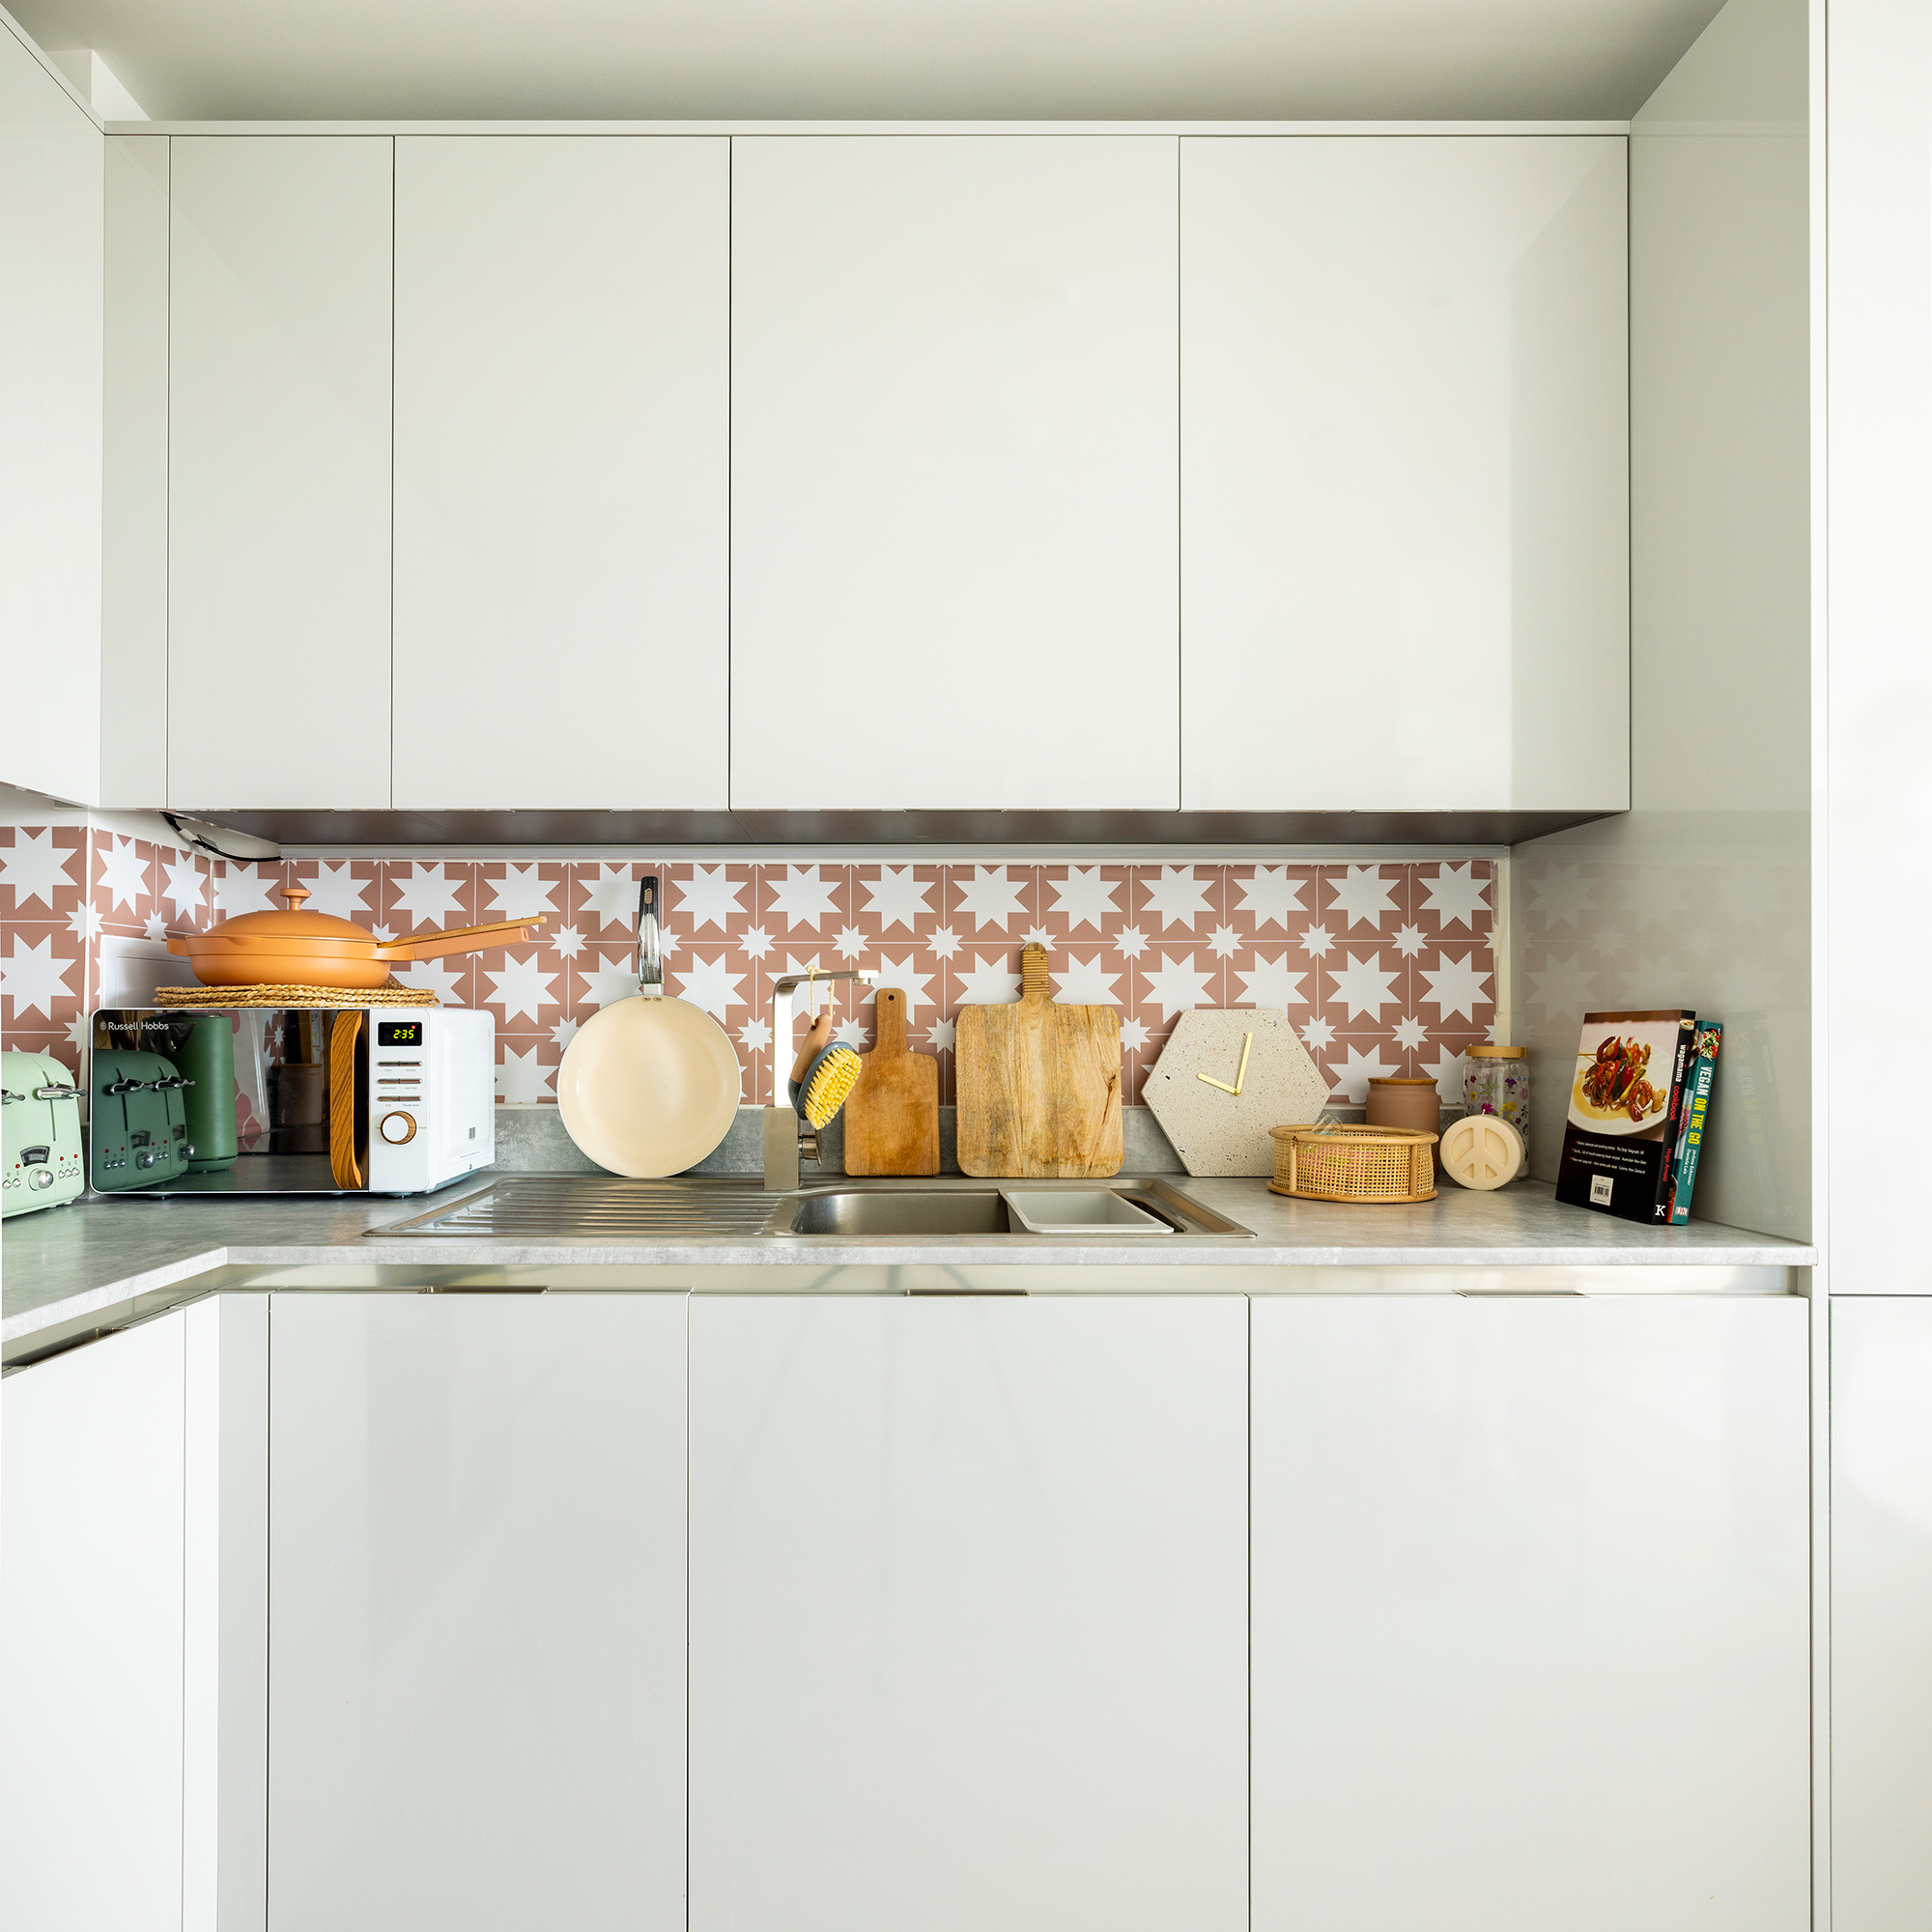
1382	969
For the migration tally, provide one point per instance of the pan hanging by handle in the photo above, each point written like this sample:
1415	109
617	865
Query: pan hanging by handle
650	954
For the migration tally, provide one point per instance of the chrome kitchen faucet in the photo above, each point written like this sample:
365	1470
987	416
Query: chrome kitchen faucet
786	1134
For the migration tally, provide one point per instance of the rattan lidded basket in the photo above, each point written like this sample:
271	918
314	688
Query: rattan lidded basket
1345	1162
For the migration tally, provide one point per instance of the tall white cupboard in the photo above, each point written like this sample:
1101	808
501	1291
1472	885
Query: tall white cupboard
51	264
1880	1612
1405	473
1531	1612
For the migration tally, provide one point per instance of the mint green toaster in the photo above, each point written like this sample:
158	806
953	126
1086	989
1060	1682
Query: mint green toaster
40	1128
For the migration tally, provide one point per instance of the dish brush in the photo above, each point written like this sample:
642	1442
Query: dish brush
824	1075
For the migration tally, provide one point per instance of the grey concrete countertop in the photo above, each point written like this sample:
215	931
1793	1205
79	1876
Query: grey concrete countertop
96	1257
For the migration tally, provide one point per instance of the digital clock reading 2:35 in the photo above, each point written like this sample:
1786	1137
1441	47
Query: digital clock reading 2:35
399	1033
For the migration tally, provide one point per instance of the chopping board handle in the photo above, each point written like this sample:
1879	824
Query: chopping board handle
890	1026
1033	982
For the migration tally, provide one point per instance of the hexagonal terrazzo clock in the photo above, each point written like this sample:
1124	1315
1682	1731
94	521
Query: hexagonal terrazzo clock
1217	1110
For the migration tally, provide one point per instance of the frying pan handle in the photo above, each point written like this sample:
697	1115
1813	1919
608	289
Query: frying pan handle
650	961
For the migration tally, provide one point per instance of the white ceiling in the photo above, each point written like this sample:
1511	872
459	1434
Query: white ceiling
878	59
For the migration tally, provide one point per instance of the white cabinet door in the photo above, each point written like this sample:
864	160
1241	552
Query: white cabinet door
50	429
1881	1613
476	1612
91	1580
563	339
1531	1613
1404	461
968	1614
956	542
133	649
278	470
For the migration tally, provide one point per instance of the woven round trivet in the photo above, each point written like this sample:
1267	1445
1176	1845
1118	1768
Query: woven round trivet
294	996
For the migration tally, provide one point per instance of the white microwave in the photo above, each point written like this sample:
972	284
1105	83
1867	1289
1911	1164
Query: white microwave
289	1099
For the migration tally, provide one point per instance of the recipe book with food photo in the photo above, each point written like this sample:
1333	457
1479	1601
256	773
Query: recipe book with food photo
1621	1130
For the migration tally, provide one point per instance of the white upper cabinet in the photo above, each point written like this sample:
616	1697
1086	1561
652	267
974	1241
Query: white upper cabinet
954	496
563	324
50	429
1404	471
278	472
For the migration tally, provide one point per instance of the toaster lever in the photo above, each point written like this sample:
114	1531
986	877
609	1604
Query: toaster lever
51	1093
120	1085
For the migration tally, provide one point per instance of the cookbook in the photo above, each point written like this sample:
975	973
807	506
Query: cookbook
1693	1118
1626	1099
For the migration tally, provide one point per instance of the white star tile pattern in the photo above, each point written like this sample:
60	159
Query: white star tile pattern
1384	966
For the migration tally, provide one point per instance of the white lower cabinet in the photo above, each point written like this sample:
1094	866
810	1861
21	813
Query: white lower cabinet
1881	1613
132	1553
370	1610
91	1629
968	1614
476	1601
1531	1613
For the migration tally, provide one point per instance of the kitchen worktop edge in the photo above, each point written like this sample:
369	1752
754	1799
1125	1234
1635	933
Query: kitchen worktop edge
96	1257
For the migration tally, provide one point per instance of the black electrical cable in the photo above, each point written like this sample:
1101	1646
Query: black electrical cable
208	845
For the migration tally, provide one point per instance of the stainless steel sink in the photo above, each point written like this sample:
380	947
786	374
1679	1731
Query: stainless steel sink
608	1212
921	1210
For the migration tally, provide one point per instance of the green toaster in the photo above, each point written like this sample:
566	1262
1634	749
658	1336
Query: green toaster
139	1118
40	1119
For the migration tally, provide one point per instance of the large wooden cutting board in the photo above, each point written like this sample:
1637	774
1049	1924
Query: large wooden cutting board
891	1116
1038	1085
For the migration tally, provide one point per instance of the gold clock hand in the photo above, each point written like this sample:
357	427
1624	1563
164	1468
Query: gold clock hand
1247	1040
1209	1079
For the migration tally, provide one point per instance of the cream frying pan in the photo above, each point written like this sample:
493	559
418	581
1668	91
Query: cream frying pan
650	1086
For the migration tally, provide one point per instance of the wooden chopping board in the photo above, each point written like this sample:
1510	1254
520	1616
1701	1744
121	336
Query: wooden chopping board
891	1116
1039	1085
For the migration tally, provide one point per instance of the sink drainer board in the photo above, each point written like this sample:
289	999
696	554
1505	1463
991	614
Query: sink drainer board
581	1206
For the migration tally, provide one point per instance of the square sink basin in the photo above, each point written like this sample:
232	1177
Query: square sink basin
911	1210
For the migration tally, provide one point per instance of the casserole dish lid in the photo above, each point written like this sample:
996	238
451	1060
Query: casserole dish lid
274	928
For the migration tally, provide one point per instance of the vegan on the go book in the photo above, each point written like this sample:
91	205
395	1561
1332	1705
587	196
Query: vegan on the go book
1694	1116
1624	1099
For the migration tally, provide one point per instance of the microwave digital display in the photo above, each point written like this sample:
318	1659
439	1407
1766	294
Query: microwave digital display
399	1033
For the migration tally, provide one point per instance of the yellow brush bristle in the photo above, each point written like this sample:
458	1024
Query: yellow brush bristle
838	1075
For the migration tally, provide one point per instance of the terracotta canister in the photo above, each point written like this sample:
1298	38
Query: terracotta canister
1413	1104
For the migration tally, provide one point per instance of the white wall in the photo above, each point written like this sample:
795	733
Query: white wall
1879	613
1700	897
50	416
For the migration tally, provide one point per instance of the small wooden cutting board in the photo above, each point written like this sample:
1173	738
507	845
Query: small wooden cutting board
1039	1085
891	1116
